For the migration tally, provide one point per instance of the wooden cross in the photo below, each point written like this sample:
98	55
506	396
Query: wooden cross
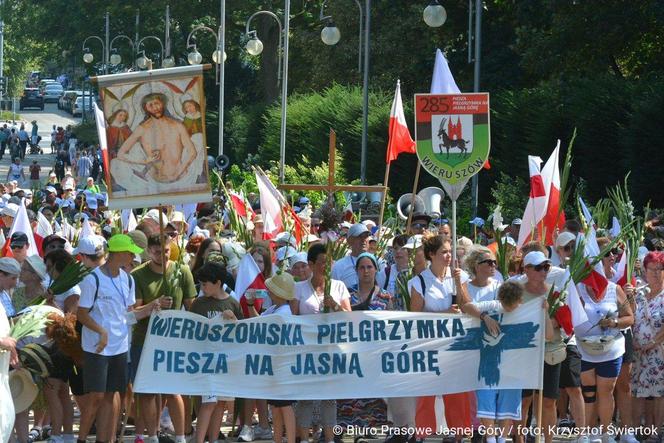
331	187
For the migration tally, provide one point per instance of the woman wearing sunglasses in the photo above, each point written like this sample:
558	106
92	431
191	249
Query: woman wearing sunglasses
481	264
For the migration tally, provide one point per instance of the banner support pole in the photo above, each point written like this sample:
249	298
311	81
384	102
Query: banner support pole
412	201
384	198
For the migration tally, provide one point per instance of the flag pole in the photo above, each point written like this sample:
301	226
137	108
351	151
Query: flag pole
412	201
538	437
382	200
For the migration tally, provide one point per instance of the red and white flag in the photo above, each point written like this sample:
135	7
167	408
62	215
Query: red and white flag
270	199
537	201
21	224
400	140
596	279
241	206
620	277
551	179
249	276
42	230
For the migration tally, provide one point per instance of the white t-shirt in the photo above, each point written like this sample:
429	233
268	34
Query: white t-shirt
281	310
115	296
310	302
60	298
483	293
344	270
438	294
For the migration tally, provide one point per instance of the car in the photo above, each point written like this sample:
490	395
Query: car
52	92
31	99
77	107
44	82
70	99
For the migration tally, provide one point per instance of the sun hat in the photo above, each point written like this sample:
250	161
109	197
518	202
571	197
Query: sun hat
414	242
534	258
10	266
91	245
23	389
37	265
123	243
564	238
282	285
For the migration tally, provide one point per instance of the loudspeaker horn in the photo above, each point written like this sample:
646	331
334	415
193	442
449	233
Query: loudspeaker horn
432	198
222	162
404	202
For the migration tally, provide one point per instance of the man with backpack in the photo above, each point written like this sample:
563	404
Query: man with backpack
106	295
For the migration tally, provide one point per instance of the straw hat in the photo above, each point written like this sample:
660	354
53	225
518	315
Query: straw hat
23	389
282	285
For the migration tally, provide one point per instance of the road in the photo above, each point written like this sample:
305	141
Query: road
50	116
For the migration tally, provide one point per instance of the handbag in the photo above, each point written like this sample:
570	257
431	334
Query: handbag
555	357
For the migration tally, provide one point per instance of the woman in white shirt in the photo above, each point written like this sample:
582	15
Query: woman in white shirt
311	299
481	263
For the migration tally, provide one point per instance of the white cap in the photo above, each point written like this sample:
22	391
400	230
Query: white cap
357	229
92	245
51	189
312	238
346	225
534	258
564	238
286	238
300	257
369	224
285	252
414	242
10	210
153	214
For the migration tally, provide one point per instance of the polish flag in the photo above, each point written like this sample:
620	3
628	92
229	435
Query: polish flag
42	230
399	137
572	313
270	199
551	179
620	277
249	276
129	222
241	206
596	279
537	202
444	411
21	224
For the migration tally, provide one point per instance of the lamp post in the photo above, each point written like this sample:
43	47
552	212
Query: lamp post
330	36
255	47
144	61
87	55
115	58
435	15
219	59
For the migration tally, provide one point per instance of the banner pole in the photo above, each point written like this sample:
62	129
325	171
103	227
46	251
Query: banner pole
412	201
382	202
162	239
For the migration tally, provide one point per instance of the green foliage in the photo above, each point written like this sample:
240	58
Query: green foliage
511	193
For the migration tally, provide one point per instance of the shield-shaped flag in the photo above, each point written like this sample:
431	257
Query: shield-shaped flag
452	134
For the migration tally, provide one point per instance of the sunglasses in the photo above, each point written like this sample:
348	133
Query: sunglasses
16	246
488	261
542	267
419	225
172	234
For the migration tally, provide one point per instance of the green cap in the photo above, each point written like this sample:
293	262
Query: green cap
123	243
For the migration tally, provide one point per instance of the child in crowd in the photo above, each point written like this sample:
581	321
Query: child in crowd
214	302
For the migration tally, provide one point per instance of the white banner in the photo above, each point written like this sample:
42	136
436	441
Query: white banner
342	355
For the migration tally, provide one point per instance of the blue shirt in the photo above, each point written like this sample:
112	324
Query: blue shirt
7	304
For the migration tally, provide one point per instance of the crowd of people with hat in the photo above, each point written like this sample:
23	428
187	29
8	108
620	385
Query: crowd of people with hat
189	258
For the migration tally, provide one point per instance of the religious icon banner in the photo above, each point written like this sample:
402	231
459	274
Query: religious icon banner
153	126
363	354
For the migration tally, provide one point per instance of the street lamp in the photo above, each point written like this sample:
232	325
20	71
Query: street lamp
115	58
434	15
255	47
219	59
87	55
143	61
330	36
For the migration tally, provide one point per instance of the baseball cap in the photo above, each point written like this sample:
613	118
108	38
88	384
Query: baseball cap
52	174
285	252
516	221
534	258
370	224
564	238
123	243
37	264
51	190
300	257
18	239
91	245
357	230
153	214
414	242
52	238
477	221
286	238
10	266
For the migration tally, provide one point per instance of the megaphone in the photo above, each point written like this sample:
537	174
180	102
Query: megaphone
404	202
432	198
374	199
354	197
222	162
